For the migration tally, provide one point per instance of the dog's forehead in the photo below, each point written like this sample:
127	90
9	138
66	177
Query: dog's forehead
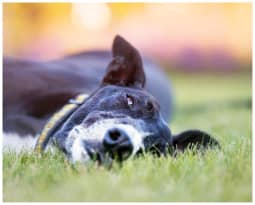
115	91
112	102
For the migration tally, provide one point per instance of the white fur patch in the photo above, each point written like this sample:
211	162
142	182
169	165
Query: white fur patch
96	132
74	143
15	143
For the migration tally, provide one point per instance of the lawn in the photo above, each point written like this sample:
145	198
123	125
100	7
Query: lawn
219	104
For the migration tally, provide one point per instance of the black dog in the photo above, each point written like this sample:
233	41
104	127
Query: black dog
120	118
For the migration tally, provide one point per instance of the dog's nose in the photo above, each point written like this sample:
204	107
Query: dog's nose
118	144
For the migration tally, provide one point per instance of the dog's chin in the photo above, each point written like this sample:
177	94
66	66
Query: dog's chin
85	144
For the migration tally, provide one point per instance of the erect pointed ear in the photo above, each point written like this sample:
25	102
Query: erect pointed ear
126	68
191	138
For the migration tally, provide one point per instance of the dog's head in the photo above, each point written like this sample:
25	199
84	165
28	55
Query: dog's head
120	118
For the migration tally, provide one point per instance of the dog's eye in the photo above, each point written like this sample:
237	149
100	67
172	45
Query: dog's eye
130	100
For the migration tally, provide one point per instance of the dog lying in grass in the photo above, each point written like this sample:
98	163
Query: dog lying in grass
125	112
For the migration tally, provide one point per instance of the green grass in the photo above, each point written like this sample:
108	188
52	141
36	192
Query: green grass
219	104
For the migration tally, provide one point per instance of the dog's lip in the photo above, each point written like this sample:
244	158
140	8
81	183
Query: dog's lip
94	154
103	157
98	154
99	157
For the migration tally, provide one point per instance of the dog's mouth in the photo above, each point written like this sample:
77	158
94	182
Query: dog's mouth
103	157
104	142
96	155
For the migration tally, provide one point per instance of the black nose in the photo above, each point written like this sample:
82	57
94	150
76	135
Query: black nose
118	144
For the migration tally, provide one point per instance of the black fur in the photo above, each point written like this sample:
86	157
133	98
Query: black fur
120	94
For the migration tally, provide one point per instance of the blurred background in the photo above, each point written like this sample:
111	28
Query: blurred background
191	37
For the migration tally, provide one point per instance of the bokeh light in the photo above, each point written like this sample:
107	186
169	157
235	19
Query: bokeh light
87	15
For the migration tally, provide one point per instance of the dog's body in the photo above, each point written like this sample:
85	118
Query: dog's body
122	116
33	91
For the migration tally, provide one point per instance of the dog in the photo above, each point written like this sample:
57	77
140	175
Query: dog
126	111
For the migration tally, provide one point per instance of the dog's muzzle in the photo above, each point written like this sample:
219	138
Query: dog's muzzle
103	140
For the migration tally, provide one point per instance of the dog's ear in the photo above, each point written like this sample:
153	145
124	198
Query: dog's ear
126	68
197	138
